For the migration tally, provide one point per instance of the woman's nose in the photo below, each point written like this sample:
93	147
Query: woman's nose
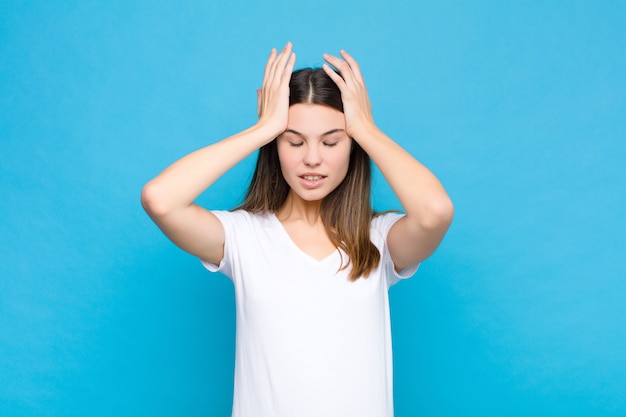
312	156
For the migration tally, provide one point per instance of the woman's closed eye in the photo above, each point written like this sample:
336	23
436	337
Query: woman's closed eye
329	144
296	144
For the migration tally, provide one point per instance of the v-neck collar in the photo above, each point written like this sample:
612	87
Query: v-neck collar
298	249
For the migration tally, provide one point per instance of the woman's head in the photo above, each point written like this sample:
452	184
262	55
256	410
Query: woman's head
316	124
268	189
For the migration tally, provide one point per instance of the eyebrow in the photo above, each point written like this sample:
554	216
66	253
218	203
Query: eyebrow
330	132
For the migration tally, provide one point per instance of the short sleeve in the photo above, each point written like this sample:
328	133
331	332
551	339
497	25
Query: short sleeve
380	229
229	221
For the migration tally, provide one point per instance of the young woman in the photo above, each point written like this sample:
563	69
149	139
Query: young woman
310	261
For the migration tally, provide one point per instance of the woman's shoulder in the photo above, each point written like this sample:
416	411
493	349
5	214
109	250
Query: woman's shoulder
239	217
383	221
381	224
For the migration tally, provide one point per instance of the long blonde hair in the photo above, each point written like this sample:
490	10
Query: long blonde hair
347	211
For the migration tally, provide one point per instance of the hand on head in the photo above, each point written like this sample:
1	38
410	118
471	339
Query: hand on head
273	97
357	107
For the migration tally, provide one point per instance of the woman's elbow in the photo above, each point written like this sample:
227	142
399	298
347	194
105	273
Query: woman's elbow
152	199
438	214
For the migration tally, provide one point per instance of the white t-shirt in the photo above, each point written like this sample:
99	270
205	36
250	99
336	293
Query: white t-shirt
309	342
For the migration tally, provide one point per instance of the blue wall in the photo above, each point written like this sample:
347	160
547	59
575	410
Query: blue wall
519	108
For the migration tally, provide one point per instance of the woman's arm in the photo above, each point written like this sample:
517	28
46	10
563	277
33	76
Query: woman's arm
429	210
169	197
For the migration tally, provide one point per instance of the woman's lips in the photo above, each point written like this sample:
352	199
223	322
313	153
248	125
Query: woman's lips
311	181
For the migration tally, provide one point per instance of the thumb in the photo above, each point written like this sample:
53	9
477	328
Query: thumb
258	102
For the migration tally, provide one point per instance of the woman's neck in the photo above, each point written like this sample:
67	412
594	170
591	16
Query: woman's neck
295	208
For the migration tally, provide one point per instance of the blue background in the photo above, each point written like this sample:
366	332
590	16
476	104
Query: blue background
519	107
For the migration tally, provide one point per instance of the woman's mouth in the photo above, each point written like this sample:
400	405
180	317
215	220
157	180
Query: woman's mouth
312	177
311	181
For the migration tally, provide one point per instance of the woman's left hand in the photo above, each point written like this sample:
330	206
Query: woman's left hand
356	103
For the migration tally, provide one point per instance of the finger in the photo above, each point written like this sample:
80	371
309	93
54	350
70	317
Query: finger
333	60
275	65
282	61
335	77
258	102
343	68
353	64
289	68
272	69
268	65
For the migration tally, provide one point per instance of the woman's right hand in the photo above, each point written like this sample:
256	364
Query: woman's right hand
273	97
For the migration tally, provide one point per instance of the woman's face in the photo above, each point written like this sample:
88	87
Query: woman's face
314	151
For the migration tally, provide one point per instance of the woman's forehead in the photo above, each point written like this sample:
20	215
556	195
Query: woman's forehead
314	117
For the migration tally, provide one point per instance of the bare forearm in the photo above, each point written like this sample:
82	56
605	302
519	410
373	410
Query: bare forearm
183	181
421	194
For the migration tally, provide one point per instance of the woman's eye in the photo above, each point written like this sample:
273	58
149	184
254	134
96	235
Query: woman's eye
330	144
296	144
